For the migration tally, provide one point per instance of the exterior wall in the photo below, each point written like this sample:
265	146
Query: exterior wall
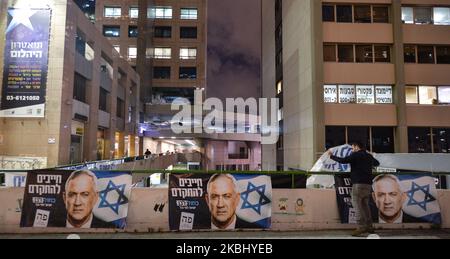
320	212
217	154
29	137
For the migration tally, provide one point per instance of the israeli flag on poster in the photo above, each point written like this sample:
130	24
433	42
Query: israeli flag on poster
255	205
422	198
114	192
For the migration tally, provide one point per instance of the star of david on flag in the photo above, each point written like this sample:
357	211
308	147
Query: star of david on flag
114	196
255	205
422	196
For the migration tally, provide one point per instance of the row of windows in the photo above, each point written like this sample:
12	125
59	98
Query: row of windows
428	95
426	15
166	53
427	54
346	13
154	12
184	73
360	94
429	140
360	53
113	31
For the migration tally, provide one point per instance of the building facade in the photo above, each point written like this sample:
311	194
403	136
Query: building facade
368	71
91	94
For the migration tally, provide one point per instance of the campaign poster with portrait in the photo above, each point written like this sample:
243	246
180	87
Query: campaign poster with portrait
220	201
25	62
76	199
395	199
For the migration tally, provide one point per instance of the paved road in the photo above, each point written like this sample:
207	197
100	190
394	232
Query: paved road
384	234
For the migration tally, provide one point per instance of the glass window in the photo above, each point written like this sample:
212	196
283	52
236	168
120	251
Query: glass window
111	31
113	12
359	134
381	14
410	54
412	96
364	53
188	53
419	140
444	94
345	53
383	140
441	139
441	15
117	48
161	72
363	14
188	73
334	136
189	14
329	53
160	12
279	87
344	13
132	52
384	94
425	54
443	55
188	32
134	12
79	88
347	94
427	95
162	53
408	15
365	94
103	100
423	15
328	13
132	31
330	93
163	32
383	54
120	109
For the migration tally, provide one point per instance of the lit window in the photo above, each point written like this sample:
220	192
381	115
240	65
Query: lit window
330	93
134	12
111	31
347	94
441	15
132	52
132	31
412	96
189	14
113	12
188	53
444	94
161	53
427	95
408	15
161	12
365	94
384	94
280	87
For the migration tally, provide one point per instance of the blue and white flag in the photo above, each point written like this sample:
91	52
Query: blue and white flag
113	198
255	205
422	198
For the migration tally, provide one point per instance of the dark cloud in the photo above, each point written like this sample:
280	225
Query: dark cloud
234	48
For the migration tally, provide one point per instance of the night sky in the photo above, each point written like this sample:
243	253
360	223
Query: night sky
234	48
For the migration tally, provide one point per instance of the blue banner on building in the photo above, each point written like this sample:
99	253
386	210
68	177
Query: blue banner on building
25	63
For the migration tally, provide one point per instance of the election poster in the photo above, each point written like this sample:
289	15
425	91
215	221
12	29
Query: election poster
25	63
220	201
76	199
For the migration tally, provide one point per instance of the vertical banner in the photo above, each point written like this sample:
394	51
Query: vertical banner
220	202
76	199
25	63
395	199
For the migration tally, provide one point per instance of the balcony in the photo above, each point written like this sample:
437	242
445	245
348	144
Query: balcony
359	73
80	108
357	32
426	34
83	66
104	119
360	114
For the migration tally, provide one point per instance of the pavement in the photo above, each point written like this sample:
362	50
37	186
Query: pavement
338	234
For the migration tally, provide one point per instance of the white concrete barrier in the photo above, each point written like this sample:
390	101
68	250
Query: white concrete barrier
149	212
